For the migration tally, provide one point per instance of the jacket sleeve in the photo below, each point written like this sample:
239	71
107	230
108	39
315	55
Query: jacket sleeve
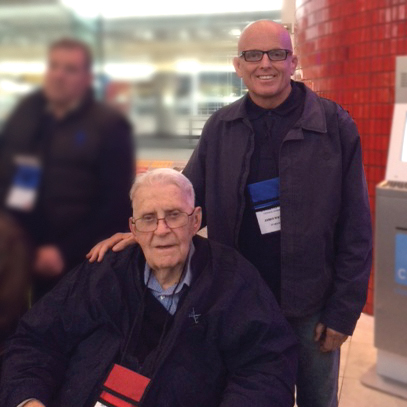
353	236
38	354
259	348
113	209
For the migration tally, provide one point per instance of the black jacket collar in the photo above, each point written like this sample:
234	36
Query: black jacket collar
312	119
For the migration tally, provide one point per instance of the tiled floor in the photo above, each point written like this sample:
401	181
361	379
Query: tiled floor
357	357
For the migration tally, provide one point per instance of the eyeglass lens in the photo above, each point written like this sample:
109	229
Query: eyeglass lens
274	55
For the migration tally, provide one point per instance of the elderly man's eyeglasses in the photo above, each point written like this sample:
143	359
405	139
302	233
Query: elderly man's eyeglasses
255	55
173	219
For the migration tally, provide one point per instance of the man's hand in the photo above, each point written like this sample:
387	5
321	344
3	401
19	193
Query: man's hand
328	338
117	242
48	261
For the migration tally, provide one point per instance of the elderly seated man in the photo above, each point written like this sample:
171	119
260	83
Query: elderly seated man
176	321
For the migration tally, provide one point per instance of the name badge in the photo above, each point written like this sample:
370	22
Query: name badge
265	197
122	388
24	188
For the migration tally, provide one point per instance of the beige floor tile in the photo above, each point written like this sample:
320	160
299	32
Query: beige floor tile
344	356
355	394
364	330
344	359
360	358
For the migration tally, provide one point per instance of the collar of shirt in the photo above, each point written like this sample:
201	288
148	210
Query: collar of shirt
75	106
291	103
71	108
154	285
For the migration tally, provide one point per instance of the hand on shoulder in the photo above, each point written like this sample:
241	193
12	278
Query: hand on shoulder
117	243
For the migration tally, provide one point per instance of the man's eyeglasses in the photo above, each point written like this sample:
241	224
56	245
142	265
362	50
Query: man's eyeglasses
255	55
173	219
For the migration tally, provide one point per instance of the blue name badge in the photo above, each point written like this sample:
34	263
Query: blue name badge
24	188
401	259
265	197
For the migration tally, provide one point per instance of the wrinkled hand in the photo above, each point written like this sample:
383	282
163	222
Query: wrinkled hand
328	338
117	242
48	261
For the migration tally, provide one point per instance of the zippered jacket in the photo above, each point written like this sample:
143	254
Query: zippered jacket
326	235
228	345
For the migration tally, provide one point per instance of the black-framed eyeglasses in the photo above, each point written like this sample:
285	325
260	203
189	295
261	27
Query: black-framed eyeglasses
256	55
149	223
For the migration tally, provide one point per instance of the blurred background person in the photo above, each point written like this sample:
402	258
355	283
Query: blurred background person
66	164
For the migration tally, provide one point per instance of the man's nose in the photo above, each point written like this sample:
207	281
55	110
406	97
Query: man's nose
56	73
265	61
162	227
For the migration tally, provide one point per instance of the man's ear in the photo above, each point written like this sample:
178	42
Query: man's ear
132	228
294	63
197	219
236	63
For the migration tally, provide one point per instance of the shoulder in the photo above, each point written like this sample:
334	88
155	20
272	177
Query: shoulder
347	127
235	110
111	274
222	118
37	96
333	108
108	116
31	102
336	116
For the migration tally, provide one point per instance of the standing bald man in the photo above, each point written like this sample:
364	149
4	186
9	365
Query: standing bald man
279	176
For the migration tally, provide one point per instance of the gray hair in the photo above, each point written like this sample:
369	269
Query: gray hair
165	176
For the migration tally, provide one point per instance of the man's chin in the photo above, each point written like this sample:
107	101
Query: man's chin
165	264
55	96
55	101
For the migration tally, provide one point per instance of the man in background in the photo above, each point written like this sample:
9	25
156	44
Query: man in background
66	163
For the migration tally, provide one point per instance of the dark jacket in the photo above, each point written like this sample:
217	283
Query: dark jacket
326	237
87	161
241	351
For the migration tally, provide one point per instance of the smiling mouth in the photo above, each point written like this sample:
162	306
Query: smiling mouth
266	77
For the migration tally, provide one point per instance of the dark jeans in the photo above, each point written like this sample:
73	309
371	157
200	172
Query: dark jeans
318	372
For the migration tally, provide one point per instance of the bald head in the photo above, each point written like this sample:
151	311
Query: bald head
264	28
268	78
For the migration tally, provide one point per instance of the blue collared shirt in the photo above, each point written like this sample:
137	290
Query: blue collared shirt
169	298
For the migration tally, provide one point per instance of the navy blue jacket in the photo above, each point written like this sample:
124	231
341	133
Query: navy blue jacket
241	352
326	236
87	170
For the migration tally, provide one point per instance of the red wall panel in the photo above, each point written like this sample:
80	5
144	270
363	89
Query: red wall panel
347	51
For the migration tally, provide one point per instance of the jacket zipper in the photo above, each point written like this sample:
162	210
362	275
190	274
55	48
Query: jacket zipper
170	340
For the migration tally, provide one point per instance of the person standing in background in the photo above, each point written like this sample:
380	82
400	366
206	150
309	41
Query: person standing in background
66	164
